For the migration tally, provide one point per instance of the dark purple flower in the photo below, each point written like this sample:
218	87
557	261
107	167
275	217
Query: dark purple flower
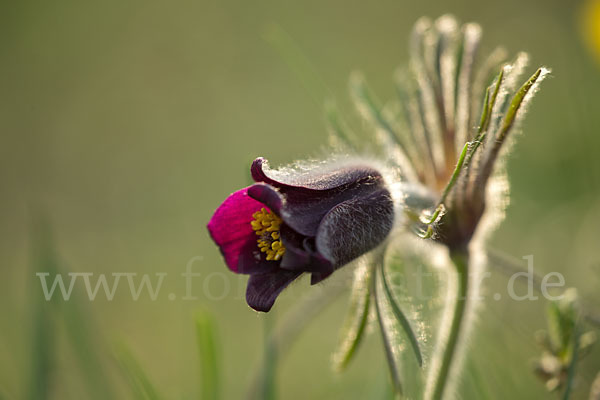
290	223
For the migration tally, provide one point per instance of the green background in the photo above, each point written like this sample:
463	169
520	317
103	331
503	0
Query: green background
126	123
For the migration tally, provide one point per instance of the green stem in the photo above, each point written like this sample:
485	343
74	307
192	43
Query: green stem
461	261
455	174
572	366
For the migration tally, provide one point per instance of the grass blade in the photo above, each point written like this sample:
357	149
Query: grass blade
42	311
43	344
142	387
77	326
268	389
207	354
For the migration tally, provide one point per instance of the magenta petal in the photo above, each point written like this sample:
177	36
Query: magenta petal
230	226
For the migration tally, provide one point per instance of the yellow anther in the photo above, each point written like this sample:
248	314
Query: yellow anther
266	225
256	225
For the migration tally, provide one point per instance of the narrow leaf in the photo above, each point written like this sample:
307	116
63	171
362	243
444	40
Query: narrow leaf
42	350
485	113
401	318
356	318
78	326
515	110
495	94
207	354
83	340
471	39
268	390
44	324
518	101
141	385
388	346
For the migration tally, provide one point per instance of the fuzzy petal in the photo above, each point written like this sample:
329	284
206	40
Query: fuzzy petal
267	195
299	257
355	227
303	201
230	226
317	277
322	177
263	289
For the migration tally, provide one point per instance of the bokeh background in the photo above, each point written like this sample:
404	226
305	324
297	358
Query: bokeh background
123	124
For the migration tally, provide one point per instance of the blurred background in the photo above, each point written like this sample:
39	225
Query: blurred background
124	124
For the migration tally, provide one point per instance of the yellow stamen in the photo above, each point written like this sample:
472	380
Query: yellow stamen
266	225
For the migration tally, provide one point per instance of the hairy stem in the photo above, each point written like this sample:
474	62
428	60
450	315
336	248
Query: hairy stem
461	261
573	365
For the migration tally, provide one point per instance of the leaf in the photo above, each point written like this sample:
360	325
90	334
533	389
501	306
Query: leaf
476	380
414	275
490	102
388	345
83	342
401	318
141	385
77	326
268	389
520	100
43	335
42	350
356	318
513	114
207	354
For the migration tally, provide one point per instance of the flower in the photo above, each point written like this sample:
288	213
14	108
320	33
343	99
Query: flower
291	222
589	17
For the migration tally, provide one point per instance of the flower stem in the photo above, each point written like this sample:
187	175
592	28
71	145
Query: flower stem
461	261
